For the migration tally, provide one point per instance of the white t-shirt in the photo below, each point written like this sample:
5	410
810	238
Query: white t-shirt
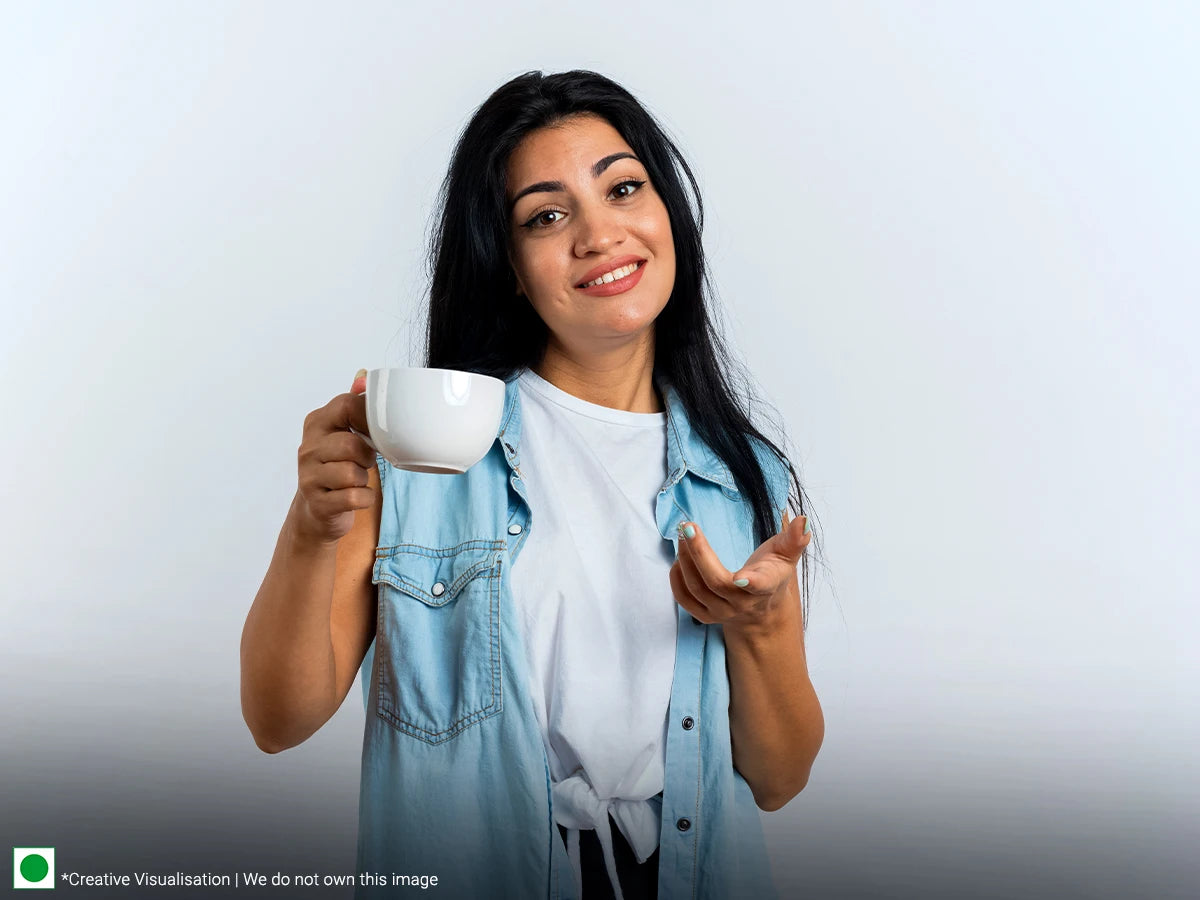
593	596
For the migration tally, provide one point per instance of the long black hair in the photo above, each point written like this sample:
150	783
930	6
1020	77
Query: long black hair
478	323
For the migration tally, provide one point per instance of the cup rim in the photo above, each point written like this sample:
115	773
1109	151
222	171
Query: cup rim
433	369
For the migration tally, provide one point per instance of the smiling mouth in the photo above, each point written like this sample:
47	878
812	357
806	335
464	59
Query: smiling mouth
627	270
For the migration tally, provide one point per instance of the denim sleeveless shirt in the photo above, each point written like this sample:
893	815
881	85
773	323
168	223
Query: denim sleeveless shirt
455	780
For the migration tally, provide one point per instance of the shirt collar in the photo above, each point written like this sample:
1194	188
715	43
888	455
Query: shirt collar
686	451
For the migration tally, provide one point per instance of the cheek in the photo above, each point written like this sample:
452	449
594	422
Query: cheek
543	266
664	255
658	232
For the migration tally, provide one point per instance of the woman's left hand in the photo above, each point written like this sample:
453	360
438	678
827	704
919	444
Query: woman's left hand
706	589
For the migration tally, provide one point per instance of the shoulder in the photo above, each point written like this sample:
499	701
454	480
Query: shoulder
767	458
775	470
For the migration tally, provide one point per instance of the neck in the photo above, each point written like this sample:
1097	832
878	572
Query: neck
621	380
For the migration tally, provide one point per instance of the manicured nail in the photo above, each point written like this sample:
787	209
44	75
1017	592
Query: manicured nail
741	582
807	527
687	531
361	373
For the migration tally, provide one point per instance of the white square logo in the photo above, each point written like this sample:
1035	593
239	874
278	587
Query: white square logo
33	868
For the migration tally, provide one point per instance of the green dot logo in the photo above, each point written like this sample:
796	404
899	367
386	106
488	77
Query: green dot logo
33	868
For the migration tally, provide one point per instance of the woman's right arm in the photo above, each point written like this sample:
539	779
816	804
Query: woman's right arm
314	616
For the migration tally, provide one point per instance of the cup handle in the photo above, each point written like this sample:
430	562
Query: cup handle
367	438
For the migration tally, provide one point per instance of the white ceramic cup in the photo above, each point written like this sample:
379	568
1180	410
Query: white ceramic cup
432	420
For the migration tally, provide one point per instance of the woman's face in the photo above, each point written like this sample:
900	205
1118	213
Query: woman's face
562	233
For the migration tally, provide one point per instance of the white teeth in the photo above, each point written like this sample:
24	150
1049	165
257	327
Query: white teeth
614	275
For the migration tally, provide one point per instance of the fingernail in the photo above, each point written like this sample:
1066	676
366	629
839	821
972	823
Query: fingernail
741	582
361	373
686	531
807	527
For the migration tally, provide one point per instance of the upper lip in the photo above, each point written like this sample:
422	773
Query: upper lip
610	266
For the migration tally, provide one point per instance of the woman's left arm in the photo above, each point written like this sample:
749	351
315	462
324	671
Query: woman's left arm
775	720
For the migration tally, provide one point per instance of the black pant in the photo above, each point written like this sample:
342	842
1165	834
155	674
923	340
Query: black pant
638	881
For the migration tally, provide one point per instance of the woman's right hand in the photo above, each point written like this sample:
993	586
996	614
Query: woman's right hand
333	466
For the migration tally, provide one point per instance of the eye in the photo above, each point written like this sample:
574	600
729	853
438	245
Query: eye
533	223
628	183
538	219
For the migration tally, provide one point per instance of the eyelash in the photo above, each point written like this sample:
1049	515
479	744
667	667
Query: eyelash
530	224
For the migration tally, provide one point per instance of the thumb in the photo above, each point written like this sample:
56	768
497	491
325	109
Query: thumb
796	536
359	385
790	543
792	537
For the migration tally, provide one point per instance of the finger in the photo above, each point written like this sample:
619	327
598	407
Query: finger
715	576
791	541
799	535
350	411
755	581
358	406
685	599
343	445
335	476
765	575
761	573
341	413
716	604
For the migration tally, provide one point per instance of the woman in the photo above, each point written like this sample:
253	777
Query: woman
569	694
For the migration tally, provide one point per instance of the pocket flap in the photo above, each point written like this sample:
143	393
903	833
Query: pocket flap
433	576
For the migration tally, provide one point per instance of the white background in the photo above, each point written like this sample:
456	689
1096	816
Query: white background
957	246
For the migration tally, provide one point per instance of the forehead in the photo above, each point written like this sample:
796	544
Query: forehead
563	150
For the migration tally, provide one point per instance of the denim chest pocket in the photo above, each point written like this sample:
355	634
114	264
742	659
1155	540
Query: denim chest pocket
437	638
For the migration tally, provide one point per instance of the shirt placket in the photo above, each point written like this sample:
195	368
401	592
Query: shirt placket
682	800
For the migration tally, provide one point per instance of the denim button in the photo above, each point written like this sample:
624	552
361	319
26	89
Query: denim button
688	723
438	589
683	824
514	528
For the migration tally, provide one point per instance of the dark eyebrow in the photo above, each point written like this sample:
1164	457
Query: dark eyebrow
552	186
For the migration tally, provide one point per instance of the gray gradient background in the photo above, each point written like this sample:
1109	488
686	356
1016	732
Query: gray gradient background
956	244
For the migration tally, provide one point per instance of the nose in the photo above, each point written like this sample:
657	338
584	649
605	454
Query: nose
598	230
